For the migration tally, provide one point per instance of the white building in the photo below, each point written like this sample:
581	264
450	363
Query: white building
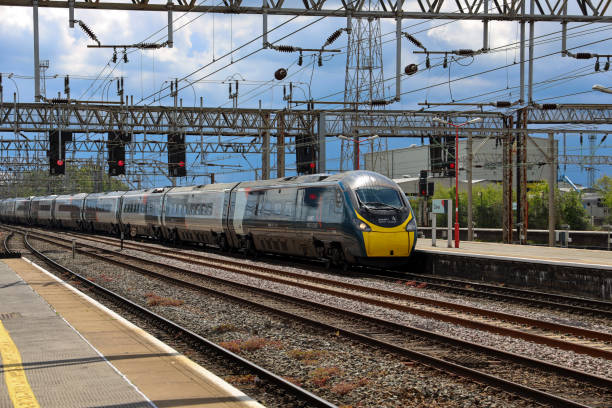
487	160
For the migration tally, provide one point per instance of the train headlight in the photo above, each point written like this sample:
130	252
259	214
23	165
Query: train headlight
364	227
411	226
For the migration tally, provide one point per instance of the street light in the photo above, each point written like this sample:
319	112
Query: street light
439	120
602	88
357	143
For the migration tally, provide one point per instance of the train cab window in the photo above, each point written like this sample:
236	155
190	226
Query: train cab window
379	197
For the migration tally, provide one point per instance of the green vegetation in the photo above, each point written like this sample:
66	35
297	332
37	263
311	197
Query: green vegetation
83	179
488	208
604	185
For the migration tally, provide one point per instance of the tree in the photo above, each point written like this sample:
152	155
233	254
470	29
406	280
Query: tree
83	179
604	186
571	211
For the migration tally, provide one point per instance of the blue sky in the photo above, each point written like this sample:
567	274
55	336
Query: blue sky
200	38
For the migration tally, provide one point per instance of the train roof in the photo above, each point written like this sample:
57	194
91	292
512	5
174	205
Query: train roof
66	196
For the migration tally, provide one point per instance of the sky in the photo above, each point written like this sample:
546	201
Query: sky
209	50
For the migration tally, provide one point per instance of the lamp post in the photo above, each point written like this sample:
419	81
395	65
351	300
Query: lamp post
457	169
357	143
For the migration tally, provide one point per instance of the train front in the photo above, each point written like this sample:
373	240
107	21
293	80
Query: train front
383	217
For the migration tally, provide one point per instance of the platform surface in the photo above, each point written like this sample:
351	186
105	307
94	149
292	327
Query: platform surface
528	253
61	362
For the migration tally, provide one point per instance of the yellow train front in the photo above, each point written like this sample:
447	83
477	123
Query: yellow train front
383	220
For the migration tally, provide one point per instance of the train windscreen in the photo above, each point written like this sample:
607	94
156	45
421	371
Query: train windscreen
379	197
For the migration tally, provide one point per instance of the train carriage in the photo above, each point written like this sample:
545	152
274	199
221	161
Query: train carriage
141	212
22	210
101	212
68	211
7	210
41	211
197	213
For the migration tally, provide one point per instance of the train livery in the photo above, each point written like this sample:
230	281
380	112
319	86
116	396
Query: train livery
357	217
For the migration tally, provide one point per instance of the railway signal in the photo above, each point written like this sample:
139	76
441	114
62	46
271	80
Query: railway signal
57	151
177	155
116	153
423	183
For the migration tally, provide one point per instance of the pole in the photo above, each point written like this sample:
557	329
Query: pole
36	57
356	158
470	220
522	55
450	222
531	35
398	58
551	190
433	229
456	186
322	146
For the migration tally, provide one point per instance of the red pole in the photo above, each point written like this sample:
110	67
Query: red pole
357	149
456	186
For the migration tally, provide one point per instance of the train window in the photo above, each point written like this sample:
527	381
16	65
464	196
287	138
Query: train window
378	196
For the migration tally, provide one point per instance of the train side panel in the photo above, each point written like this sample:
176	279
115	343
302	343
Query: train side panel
141	212
101	212
68	210
41	210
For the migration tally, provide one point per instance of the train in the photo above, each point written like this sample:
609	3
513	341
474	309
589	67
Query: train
352	218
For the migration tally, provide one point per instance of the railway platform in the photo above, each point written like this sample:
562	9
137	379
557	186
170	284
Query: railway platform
581	272
60	348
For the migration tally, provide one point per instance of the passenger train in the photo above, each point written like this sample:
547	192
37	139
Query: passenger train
357	217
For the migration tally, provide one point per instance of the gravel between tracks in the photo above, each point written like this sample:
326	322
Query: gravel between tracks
598	366
332	367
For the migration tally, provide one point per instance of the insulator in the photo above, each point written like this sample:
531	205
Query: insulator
88	31
445	63
333	37
230	89
280	74
320	61
411	69
378	102
581	139
59	100
149	45
503	104
427	62
549	106
125	58
603	139
300	59
464	52
285	48
597	65
414	41
584	55
114	55
607	66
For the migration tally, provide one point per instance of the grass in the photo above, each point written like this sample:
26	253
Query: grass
224	328
322	375
155	300
306	356
344	388
250	344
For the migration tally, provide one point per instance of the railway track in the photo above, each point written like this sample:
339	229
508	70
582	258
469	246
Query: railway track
551	384
593	343
290	393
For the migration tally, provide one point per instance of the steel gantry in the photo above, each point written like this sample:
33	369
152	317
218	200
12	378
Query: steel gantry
494	10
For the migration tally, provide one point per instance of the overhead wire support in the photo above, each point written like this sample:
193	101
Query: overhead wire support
87	30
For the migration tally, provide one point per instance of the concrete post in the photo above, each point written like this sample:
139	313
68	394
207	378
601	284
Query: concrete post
552	177
470	220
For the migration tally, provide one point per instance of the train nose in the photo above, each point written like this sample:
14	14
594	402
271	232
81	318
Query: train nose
392	243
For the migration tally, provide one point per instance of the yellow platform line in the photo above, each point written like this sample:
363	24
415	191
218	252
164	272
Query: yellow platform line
17	383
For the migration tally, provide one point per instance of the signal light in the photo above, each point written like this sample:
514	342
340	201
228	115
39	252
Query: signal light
120	163
312	165
181	164
60	162
451	165
57	151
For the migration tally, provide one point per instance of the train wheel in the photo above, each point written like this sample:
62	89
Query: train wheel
337	257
